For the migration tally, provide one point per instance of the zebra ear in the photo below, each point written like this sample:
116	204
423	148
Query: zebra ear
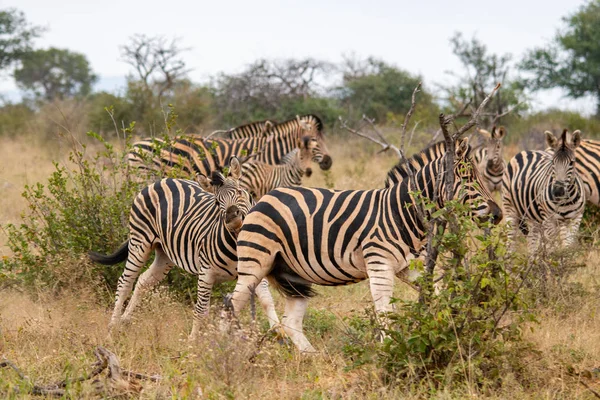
462	148
551	140
235	168
205	183
576	138
500	133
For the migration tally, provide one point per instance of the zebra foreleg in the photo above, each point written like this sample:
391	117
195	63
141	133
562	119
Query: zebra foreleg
381	281
205	284
156	273
569	231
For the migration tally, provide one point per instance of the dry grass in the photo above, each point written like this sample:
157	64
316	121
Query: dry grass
53	336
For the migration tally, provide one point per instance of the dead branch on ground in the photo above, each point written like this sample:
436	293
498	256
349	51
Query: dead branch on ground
119	380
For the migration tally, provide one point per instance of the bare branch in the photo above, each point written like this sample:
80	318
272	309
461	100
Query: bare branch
381	141
475	115
409	114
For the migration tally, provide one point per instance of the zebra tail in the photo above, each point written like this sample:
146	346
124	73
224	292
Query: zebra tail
112	259
288	282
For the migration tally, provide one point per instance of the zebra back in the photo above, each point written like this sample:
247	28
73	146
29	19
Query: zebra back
251	129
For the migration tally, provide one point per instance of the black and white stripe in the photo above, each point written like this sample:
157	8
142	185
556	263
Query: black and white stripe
297	237
259	178
194	155
489	159
543	194
188	224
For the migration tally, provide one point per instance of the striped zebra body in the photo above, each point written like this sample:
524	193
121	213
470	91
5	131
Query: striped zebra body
259	178
543	194
252	129
198	156
491	168
191	225
297	237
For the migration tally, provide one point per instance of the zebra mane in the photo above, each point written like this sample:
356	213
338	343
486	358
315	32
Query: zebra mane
253	124
311	118
289	157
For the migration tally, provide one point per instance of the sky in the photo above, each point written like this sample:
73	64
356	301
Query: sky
224	36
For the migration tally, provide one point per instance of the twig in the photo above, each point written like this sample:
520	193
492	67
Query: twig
409	114
475	115
216	133
382	142
105	359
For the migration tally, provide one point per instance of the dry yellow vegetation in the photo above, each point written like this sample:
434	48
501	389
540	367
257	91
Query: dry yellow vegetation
52	336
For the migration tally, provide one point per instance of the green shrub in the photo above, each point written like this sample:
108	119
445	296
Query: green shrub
83	206
470	331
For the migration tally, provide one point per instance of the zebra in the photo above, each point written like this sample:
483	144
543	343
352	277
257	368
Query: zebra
587	155
199	156
490	170
489	160
299	236
189	224
543	193
258	178
252	129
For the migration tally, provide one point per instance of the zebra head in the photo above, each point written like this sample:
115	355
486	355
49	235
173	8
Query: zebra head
563	161
494	148
312	126
309	150
469	187
232	199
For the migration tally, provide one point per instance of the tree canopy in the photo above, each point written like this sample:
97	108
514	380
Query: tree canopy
55	73
374	88
572	59
16	36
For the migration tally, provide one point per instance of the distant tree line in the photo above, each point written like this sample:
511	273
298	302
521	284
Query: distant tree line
279	89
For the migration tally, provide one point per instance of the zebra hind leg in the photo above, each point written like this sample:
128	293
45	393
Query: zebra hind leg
295	308
150	278
137	258
266	300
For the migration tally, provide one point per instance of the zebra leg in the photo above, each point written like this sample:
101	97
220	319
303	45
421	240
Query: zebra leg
295	308
205	284
266	300
138	256
570	230
381	282
156	273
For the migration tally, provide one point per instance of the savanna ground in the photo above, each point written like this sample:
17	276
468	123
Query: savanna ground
51	334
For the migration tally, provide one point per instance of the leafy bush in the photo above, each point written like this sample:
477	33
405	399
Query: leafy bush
470	331
83	206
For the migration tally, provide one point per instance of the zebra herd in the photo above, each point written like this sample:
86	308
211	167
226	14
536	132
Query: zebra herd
257	224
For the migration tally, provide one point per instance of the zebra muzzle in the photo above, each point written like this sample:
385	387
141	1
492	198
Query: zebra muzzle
559	190
233	218
326	162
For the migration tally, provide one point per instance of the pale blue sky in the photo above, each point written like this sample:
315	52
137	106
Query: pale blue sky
226	35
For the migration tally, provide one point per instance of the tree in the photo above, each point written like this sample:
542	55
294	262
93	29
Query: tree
275	89
157	62
572	59
55	74
482	71
16	35
375	88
